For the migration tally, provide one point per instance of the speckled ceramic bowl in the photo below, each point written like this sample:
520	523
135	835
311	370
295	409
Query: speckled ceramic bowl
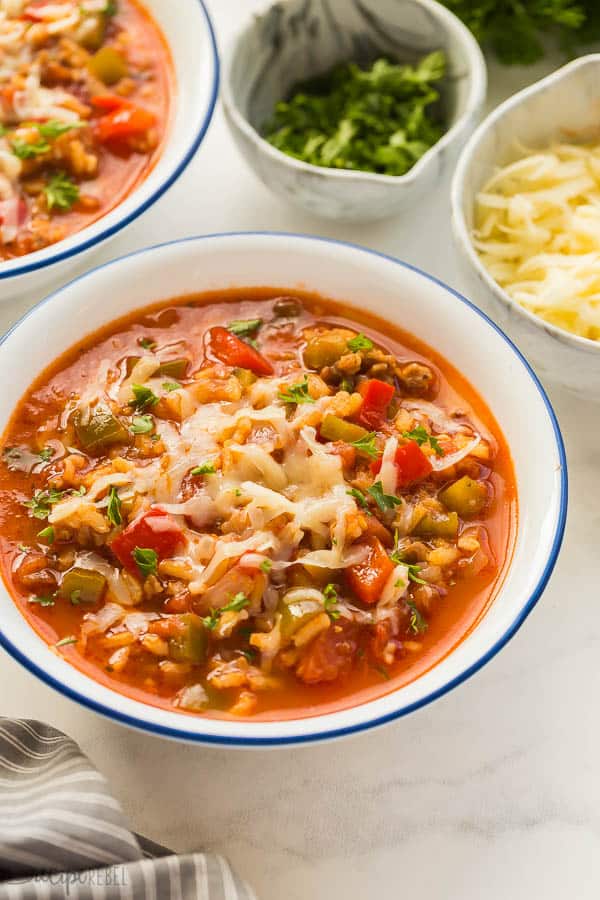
565	103
297	39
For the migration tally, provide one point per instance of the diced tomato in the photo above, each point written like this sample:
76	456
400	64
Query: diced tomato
377	396
330	655
411	463
123	120
153	530
367	579
234	352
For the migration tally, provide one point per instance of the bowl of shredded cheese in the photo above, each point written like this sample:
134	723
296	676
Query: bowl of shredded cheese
526	218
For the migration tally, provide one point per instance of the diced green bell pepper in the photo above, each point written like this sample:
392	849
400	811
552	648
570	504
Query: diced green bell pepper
466	496
324	350
335	429
295	615
439	525
100	430
190	645
174	368
82	586
108	65
94	33
245	377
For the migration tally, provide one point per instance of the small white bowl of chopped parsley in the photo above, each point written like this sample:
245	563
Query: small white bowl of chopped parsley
352	109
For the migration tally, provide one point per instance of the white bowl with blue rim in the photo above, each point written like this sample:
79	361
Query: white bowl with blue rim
367	281
193	49
563	105
294	40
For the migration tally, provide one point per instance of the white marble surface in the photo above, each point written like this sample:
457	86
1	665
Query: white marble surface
490	792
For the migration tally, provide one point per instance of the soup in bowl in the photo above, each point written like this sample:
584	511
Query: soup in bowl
245	511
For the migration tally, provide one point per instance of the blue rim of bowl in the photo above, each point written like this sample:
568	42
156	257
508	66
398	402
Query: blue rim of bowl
160	190
317	736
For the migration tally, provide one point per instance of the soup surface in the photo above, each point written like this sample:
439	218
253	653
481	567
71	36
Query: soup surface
84	101
254	504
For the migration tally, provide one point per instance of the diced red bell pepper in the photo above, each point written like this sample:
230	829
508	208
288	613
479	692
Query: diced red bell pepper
234	352
367	579
377	396
153	530
330	655
123	120
411	463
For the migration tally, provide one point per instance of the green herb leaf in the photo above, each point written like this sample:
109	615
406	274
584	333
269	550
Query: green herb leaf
235	605
417	623
42	502
75	597
146	560
421	436
66	641
366	445
171	386
383	501
111	8
331	598
204	469
266	566
383	672
144	397
24	150
46	454
53	128
113	511
142	424
47	600
296	393
61	192
359	497
244	327
147	343
360	342
47	534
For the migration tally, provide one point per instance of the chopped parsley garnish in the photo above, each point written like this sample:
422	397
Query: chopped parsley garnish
46	454
204	469
66	641
61	192
143	396
383	501
142	424
171	386
113	510
266	566
47	600
360	342
359	497
367	446
244	327
24	150
53	128
147	343
296	393
331	598
75	597
421	436
383	672
417	623
111	8
146	560
42	501
47	534
235	605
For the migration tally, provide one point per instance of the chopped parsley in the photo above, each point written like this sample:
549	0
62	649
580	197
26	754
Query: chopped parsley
171	386
383	501
42	501
113	511
204	469
296	393
75	597
53	128
244	327
47	534
331	598
66	641
360	342
61	192
359	497
24	150
383	672
266	566
142	424
367	446
417	622
47	600
235	605
143	397
146	560
421	436
147	343
46	454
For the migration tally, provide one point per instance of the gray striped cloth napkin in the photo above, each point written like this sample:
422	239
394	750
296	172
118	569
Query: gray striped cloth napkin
62	834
